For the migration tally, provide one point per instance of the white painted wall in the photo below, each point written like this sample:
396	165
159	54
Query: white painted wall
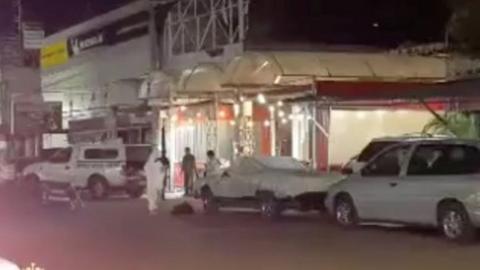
351	131
55	141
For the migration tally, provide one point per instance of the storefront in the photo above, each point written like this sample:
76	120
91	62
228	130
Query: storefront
321	108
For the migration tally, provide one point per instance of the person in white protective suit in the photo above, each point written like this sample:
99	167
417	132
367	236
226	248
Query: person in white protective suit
155	172
212	167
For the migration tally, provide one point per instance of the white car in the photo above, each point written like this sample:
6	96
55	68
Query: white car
269	183
7	173
429	182
98	167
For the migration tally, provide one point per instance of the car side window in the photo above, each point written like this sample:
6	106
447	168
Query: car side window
389	163
443	159
101	153
61	156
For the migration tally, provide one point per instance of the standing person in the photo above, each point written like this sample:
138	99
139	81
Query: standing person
165	162
189	169
155	173
213	164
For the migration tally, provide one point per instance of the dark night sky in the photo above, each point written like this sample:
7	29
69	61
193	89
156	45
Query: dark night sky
331	21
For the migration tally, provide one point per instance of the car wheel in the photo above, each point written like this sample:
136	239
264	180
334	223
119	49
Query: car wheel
270	207
210	203
345	211
454	223
98	188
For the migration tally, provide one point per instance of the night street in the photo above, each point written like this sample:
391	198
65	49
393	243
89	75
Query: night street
119	234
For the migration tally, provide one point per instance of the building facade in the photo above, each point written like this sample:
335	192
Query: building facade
218	75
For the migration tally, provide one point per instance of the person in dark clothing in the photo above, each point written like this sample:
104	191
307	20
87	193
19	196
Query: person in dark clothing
189	169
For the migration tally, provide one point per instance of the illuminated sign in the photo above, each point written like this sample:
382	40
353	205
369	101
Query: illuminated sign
54	55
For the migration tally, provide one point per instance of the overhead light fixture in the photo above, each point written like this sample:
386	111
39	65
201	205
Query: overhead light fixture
280	103
361	115
261	99
266	123
290	117
250	124
271	108
183	108
199	115
232	123
242	99
222	114
281	114
284	121
278	79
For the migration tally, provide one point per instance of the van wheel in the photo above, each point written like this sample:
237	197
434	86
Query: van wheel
454	223
345	211
270	207
98	188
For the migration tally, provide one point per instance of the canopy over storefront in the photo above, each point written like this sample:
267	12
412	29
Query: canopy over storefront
286	68
335	75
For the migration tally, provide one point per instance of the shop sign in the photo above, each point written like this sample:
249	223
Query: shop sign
87	41
33	35
122	30
54	55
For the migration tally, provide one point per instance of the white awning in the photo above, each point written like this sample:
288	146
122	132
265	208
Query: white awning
255	69
205	77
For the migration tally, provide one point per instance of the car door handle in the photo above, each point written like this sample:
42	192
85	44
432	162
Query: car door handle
393	184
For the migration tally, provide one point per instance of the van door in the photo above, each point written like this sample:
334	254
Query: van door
59	167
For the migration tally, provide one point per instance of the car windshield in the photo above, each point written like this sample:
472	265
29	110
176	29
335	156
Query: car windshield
373	149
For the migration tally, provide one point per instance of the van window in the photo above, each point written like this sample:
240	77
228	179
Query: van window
374	148
101	154
389	163
441	159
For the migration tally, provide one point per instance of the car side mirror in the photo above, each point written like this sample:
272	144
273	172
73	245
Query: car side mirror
225	174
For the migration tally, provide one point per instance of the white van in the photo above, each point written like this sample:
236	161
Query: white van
100	167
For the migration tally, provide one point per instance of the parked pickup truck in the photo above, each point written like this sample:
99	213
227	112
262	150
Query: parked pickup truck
271	184
100	167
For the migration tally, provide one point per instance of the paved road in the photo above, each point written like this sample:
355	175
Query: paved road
118	234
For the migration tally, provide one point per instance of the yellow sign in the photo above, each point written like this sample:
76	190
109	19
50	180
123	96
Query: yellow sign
54	55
